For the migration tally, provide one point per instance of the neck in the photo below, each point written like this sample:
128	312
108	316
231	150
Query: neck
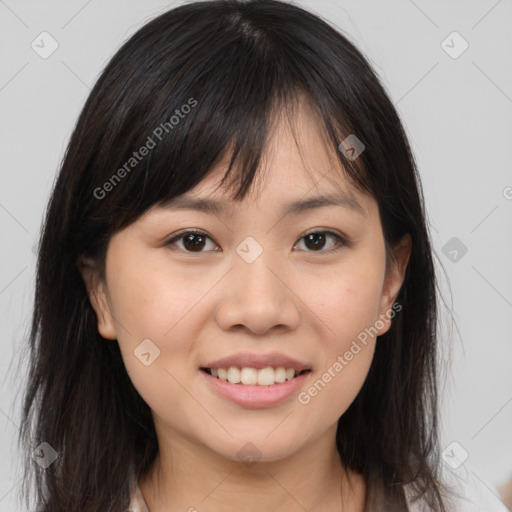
188	477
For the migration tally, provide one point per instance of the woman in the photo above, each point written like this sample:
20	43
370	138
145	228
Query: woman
236	299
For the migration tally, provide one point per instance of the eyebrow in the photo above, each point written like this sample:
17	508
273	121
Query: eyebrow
219	208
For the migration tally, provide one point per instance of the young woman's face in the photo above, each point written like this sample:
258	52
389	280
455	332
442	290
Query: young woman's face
255	285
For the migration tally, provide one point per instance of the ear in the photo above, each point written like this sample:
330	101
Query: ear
97	292
393	282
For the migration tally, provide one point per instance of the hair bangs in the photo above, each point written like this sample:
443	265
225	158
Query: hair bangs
178	125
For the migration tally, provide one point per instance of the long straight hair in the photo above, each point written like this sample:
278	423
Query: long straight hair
197	82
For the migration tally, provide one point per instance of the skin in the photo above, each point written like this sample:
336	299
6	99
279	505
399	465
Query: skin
294	298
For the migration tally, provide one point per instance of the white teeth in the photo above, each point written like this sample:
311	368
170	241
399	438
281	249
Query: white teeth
266	376
251	376
280	374
234	375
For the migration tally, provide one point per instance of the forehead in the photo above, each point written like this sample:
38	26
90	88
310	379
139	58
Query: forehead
299	170
298	158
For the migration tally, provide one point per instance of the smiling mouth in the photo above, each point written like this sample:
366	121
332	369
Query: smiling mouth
254	377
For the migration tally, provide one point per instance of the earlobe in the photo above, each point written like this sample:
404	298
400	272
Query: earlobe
97	293
394	280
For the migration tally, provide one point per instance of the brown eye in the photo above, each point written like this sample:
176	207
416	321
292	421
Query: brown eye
192	241
197	241
316	241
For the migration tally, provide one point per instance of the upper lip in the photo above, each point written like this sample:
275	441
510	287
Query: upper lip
258	361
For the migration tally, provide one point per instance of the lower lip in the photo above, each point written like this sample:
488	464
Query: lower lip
256	396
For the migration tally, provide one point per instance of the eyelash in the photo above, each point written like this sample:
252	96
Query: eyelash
340	242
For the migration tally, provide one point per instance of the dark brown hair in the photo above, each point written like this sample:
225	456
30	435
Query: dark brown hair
236	65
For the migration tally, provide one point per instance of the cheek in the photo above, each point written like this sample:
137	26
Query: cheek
152	298
348	298
346	352
333	389
156	322
347	308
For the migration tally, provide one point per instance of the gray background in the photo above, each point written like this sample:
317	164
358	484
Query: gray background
457	115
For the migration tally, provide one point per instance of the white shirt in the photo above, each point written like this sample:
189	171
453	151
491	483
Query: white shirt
474	494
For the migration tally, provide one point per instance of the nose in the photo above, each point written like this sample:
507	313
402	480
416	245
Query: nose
258	298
